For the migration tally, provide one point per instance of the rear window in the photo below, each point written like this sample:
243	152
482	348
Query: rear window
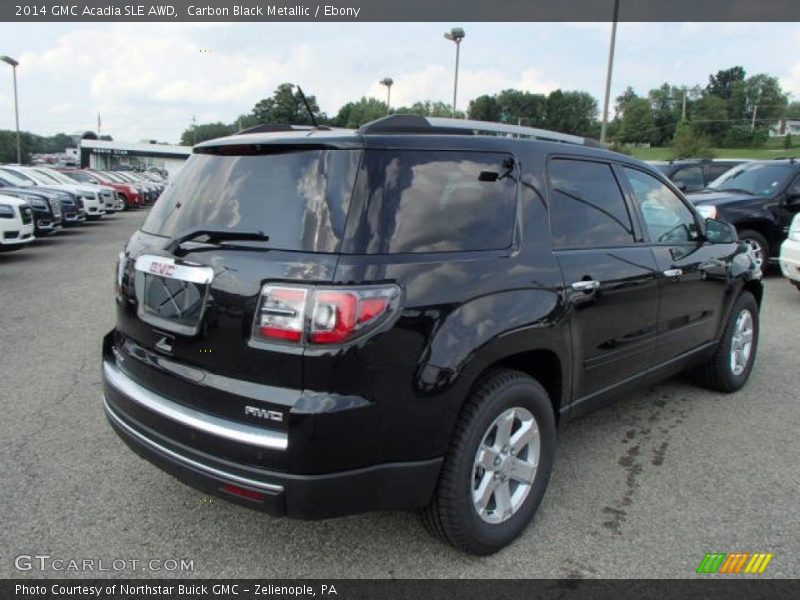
298	198
436	201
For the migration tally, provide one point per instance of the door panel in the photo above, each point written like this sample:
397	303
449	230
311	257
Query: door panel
614	326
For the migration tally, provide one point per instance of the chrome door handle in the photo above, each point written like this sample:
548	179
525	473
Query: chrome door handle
673	272
585	286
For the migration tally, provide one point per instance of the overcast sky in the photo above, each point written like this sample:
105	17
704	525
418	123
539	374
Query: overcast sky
148	80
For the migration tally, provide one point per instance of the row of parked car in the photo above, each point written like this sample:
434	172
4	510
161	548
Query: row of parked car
761	198
39	200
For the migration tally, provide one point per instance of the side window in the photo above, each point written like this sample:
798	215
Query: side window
795	189
667	218
587	208
690	177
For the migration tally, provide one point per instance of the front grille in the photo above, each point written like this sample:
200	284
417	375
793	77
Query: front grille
79	202
27	214
55	207
11	235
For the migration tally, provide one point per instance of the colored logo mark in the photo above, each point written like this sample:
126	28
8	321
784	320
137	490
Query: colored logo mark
734	563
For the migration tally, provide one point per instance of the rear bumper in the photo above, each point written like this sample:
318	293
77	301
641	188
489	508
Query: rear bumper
393	486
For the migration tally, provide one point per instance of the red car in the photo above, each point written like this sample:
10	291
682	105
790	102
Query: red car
133	199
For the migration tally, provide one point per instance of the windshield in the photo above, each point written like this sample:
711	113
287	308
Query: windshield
759	179
15	179
42	178
299	198
78	176
112	177
57	176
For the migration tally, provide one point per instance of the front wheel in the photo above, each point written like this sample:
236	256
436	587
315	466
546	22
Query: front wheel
759	246
498	466
730	367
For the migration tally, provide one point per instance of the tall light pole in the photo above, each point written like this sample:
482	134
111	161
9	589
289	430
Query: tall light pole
456	34
14	64
388	81
604	126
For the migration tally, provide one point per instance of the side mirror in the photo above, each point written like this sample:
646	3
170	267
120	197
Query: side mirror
793	199
720	232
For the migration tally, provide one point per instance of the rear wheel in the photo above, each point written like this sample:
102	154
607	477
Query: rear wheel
498	466
730	367
759	245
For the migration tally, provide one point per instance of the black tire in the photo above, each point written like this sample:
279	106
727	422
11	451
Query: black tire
717	374
756	239
452	515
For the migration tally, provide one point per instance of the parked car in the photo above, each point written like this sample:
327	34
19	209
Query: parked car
693	175
759	198
72	212
407	319
107	194
122	192
16	223
148	189
90	199
131	195
140	199
47	215
790	253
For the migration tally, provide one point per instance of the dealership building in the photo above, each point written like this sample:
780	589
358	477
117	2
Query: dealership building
111	155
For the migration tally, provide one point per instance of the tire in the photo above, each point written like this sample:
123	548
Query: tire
719	373
452	515
760	247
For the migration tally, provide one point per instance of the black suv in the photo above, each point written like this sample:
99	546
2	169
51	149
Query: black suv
316	323
760	199
692	175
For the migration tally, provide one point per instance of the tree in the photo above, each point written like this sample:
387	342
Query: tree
485	108
525	108
787	141
354	114
429	109
206	131
709	118
286	106
724	82
623	100
637	125
793	110
765	99
571	112
688	144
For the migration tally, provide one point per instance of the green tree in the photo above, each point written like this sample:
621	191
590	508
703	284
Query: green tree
637	124
525	108
688	144
485	108
429	109
206	131
765	98
354	114
723	84
286	106
571	112
709	116
787	141
623	100
793	110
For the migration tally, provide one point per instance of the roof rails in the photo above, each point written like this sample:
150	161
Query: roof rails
450	126
276	127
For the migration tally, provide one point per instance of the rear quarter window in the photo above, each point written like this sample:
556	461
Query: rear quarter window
437	201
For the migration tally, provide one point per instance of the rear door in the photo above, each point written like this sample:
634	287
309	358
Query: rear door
611	279
693	275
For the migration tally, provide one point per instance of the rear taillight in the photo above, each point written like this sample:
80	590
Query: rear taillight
320	316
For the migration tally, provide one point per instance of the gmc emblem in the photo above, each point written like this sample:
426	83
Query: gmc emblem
263	413
163	269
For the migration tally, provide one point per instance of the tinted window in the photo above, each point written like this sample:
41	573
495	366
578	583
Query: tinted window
715	171
587	207
762	179
690	177
421	201
299	199
666	217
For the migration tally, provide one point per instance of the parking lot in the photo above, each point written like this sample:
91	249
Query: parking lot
641	489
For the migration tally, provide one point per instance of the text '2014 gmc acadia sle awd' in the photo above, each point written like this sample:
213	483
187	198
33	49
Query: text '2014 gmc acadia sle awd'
316	323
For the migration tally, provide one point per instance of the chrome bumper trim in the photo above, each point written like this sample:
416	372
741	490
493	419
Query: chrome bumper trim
237	432
183	460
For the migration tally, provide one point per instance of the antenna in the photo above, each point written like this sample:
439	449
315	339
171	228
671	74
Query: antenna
308	108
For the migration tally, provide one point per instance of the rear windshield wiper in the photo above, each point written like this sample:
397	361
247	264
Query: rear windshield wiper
217	235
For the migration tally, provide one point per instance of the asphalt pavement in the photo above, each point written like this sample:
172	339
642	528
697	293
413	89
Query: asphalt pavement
643	488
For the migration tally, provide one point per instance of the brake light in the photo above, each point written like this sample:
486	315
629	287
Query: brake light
300	314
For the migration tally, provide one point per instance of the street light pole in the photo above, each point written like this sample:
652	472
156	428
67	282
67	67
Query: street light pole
14	64
456	34
604	126
388	81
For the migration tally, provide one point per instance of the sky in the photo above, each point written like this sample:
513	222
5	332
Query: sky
148	81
